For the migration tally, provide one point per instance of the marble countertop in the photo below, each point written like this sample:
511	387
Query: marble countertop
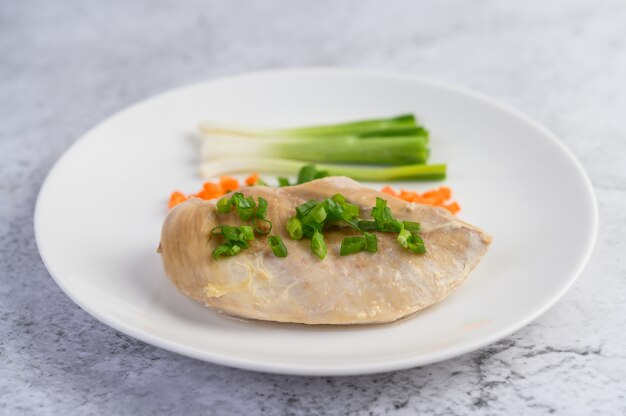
64	66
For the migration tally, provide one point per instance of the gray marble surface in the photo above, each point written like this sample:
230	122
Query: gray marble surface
65	65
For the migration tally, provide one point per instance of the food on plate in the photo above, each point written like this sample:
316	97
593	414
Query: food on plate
278	277
373	149
437	197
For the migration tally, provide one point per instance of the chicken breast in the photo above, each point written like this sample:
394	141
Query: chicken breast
362	288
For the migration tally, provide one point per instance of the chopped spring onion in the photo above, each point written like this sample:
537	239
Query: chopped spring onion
277	246
403	237
224	205
313	217
261	210
416	244
235	239
225	250
371	242
294	228
351	245
318	214
367	225
246	232
260	224
384	218
304	209
340	199
318	245
309	173
244	206
404	121
283	182
414	227
292	167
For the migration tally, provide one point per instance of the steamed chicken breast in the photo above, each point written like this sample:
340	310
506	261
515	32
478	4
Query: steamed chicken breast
360	288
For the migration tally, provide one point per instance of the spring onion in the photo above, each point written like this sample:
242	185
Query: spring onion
371	242
277	246
392	150
386	148
292	167
384	218
317	214
308	173
403	237
294	228
225	250
224	205
411	226
304	209
261	210
416	244
351	245
318	245
235	239
404	121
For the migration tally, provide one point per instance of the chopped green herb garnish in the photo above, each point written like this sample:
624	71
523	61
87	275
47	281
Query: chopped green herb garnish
246	232
318	245
317	214
261	210
367	225
414	227
224	205
350	211
403	237
309	172
304	209
245	208
416	244
277	246
225	250
294	228
340	199
351	245
371	242
313	217
283	182
237	238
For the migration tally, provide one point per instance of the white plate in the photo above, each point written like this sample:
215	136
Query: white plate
99	215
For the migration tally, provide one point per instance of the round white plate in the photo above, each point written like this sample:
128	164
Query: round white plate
99	215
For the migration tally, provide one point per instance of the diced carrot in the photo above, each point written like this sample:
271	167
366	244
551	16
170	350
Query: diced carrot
210	190
229	183
389	190
434	197
252	179
176	198
453	207
446	192
410	196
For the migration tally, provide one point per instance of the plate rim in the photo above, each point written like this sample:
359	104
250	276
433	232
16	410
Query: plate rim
321	369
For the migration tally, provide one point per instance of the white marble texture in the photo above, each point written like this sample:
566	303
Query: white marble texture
65	65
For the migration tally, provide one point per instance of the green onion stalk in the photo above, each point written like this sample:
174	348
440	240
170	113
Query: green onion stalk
405	121
383	150
415	171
